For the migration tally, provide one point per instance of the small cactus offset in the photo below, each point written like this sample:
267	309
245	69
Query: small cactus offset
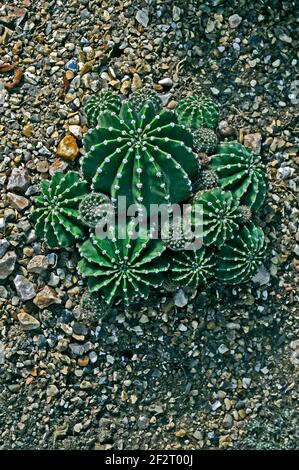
198	111
56	215
92	307
140	155
240	171
94	207
240	257
192	268
220	215
176	235
204	140
97	104
140	97
123	267
245	214
207	179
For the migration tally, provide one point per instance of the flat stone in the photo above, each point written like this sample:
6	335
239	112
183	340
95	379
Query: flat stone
57	165
47	296
25	288
253	141
142	17
52	390
68	148
166	82
180	299
17	202
4	245
18	181
262	276
7	264
228	421
28	322
234	20
38	264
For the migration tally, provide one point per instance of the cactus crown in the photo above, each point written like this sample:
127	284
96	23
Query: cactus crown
56	215
240	171
124	267
97	104
140	97
197	111
138	155
239	258
193	267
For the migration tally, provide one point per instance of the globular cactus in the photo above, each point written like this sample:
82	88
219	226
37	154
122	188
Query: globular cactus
198	111
220	215
140	97
207	179
140	156
123	267
240	257
176	235
56	215
192	268
92	307
245	214
240	171
97	104
94	207
204	140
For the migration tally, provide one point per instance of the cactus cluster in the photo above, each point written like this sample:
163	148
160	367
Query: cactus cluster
152	156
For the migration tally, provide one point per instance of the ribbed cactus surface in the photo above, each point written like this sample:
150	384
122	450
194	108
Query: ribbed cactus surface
242	172
56	214
192	268
124	268
146	157
102	102
240	257
220	215
197	111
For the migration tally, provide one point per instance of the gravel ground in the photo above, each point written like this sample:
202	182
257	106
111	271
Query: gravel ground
218	370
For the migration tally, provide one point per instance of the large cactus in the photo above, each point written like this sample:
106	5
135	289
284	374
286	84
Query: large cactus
240	257
240	171
140	97
97	104
198	111
124	268
193	267
145	156
56	215
220	215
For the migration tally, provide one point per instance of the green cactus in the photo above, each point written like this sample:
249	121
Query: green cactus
241	172
56	215
198	111
92	307
192	268
97	104
240	257
140	156
94	207
204	140
220	215
124	267
140	97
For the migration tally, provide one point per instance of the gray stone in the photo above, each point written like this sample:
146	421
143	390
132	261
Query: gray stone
4	245
262	276
180	299
38	264
234	20
18	180
24	287
7	264
142	17
228	421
